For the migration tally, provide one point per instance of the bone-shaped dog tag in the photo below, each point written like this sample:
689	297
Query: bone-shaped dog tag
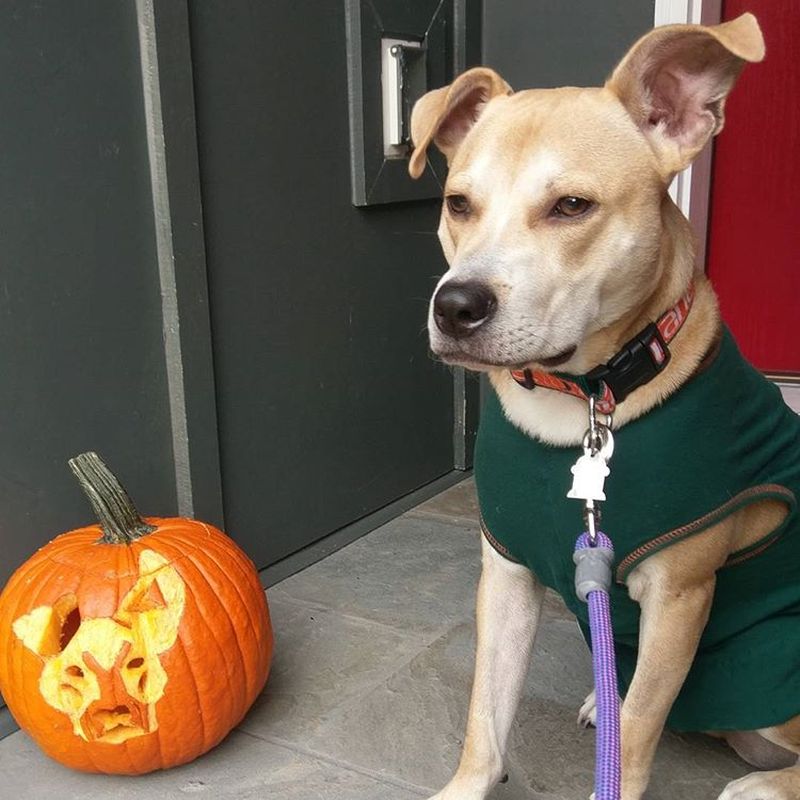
589	474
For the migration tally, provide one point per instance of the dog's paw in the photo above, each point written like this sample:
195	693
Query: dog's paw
451	792
587	716
781	785
466	789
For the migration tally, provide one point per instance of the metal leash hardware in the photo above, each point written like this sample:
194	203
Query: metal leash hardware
594	559
591	469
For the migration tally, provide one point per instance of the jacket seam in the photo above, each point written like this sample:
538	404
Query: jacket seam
500	548
718	514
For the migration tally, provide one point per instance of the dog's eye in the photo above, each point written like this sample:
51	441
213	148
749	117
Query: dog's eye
457	203
571	207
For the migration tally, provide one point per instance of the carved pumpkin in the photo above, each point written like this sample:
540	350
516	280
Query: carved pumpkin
134	644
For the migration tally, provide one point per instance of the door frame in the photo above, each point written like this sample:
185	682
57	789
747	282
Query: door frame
691	188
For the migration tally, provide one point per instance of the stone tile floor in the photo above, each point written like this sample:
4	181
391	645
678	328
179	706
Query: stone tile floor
369	689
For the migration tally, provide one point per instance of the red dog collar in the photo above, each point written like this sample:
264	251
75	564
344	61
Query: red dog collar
635	364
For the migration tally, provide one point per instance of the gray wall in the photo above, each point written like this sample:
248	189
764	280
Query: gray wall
81	354
546	43
81	314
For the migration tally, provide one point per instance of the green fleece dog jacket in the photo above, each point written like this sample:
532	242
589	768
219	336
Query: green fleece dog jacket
724	440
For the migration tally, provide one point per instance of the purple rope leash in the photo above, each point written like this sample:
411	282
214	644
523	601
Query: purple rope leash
592	580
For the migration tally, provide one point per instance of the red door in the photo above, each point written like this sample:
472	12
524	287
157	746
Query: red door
754	227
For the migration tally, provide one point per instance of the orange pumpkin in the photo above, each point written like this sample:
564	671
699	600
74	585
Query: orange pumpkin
135	644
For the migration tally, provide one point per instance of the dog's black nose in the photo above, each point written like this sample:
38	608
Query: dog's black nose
461	308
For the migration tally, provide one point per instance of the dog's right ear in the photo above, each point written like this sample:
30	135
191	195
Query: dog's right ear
444	116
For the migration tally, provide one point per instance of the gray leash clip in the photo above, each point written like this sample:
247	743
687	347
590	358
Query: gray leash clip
592	570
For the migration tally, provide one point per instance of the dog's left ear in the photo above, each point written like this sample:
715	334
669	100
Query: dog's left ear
675	79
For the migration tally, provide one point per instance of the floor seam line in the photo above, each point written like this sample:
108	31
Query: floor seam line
342	764
307	604
450	519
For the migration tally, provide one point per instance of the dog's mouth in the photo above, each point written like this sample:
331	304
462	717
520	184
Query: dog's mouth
558	359
471	361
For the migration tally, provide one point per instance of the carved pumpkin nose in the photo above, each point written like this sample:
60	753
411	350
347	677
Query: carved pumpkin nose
116	714
461	308
115	725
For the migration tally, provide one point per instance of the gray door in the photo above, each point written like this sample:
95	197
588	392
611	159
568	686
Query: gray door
329	405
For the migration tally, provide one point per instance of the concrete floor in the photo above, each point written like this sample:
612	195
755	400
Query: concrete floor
369	689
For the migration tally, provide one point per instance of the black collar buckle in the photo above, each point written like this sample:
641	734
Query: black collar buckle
635	364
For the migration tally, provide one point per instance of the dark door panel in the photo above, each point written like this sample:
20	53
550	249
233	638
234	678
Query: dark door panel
81	348
329	406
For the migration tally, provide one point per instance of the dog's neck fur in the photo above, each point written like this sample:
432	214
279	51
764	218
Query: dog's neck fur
561	419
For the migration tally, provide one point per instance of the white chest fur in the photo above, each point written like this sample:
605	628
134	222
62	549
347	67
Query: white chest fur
544	414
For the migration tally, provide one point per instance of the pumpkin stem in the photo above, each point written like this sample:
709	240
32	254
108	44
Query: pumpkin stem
114	508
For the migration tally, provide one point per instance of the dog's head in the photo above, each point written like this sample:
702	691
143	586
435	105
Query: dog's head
552	222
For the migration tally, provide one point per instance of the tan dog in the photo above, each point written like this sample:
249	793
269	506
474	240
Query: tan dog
563	242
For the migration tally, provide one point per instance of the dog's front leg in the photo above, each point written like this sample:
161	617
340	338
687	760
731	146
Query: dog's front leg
673	618
509	607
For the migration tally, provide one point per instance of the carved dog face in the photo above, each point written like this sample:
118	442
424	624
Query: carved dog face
105	673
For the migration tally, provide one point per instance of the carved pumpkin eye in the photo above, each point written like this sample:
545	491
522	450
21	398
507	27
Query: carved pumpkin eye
69	628
571	206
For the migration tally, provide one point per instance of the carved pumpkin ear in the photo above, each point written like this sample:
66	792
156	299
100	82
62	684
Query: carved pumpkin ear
154	605
674	82
47	630
444	116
